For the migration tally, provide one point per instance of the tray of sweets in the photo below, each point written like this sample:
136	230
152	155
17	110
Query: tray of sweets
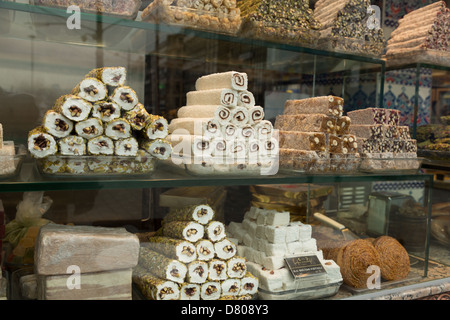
10	165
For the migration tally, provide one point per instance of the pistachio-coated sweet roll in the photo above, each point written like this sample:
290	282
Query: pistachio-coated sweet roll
217	270
138	117
41	144
89	128
225	249
215	231
101	145
185	230
73	107
72	146
106	111
126	147
231	287
158	148
118	129
205	250
57	124
210	290
125	97
197	272
249	284
236	267
189	291
161	266
154	288
91	89
157	127
111	76
202	214
181	250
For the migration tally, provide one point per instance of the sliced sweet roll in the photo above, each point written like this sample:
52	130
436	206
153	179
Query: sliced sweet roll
118	129
205	250
138	117
217	270
41	144
215	231
101	145
111	76
236	267
246	99
224	97
256	114
181	250
126	147
230	131
197	272
210	290
57	124
73	107
90	128
249	284
106	110
154	288
264	129
231	287
201	146
185	230
223	115
125	97
202	214
156	128
225	249
189	291
91	89
240	116
158	148
219	147
212	129
72	146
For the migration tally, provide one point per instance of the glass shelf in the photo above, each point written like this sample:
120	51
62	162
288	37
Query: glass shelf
165	178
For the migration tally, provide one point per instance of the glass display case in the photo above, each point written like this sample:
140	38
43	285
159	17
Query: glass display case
44	56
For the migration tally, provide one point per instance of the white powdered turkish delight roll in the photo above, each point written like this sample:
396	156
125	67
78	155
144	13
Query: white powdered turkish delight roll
236	267
189	291
73	107
212	129
246	99
126	147
138	117
156	128
249	284
158	148
224	97
125	97
205	250
106	111
240	116
185	230
237	150
270	148
197	272
201	146
57	124
118	129
72	146
41	144
231	287
230	80
91	89
89	128
215	231
219	147
101	145
256	114
247	132
264	129
223	115
230	131
217	270
210	290
225	249
111	76
76	166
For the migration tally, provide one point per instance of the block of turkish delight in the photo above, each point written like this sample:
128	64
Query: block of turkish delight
306	123
369	116
314	141
329	105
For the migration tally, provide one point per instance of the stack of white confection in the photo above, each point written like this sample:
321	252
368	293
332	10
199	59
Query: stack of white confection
266	238
7	152
221	130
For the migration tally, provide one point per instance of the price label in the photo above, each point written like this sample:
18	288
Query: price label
303	266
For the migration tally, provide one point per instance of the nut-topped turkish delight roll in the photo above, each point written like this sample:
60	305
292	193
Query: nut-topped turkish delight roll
215	231
217	270
91	89
224	97
161	266
225	249
231	287
369	116
181	250
156	128
197	272
111	76
205	250
101	145
73	107
249	284
89	128
72	146
246	99
184	230
328	105
41	144
158	148
106	111
210	290
202	214
154	288
57	124
229	80
125	97
236	267
118	129
189	291
126	147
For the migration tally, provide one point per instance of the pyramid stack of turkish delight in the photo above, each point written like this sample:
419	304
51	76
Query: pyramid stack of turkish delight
422	36
382	142
314	136
266	238
191	258
283	20
102	117
221	130
350	26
